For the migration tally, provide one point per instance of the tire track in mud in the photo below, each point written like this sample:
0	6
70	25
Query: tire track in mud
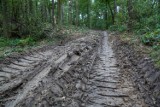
21	69
108	86
82	73
30	70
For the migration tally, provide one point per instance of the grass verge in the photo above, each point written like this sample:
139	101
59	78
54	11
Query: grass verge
9	46
149	51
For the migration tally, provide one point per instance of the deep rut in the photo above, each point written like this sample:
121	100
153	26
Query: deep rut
82	73
108	86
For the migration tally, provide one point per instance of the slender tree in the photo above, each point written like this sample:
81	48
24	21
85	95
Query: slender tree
112	14
88	13
130	14
59	12
5	18
53	21
77	12
115	7
70	4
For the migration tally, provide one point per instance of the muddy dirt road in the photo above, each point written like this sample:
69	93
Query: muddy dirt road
81	73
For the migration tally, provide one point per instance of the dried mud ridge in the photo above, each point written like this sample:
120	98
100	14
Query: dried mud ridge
82	73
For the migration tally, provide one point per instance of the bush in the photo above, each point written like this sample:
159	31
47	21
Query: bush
120	28
26	41
155	55
151	39
4	42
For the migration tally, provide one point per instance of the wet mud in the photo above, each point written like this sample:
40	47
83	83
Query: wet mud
81	73
139	68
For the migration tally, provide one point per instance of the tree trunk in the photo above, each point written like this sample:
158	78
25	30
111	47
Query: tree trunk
88	13
106	18
77	13
62	14
158	11
30	7
53	22
115	7
70	12
130	14
5	18
59	10
112	14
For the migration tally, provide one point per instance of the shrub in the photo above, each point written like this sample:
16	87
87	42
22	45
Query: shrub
151	39
26	41
16	42
120	28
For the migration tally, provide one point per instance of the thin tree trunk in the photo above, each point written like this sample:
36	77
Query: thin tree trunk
88	13
77	13
70	12
30	7
5	21
68	15
53	22
130	12
62	14
106	18
112	14
59	14
45	11
115	7
158	11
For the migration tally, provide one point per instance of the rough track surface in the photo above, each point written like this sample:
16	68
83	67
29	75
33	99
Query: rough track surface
82	73
108	86
139	68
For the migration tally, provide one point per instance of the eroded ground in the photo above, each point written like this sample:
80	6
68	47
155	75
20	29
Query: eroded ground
82	73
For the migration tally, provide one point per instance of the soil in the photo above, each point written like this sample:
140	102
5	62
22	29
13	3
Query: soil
85	72
139	67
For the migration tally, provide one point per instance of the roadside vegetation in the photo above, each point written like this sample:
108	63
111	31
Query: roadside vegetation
147	44
9	46
139	22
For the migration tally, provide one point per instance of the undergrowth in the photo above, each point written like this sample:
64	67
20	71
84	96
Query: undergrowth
153	40
148	43
8	46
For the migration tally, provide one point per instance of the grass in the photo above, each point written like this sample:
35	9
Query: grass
151	51
8	46
155	55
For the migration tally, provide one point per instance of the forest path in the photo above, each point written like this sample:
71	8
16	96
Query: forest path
82	73
108	86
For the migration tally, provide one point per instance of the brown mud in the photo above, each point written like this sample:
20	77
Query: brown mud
85	72
139	68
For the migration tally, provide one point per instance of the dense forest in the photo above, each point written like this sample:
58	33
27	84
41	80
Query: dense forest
33	18
19	18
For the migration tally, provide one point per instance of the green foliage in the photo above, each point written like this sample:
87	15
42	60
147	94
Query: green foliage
155	54
26	41
10	45
7	42
120	28
145	16
24	17
151	39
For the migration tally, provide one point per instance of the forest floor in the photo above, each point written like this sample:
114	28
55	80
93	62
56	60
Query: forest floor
96	70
